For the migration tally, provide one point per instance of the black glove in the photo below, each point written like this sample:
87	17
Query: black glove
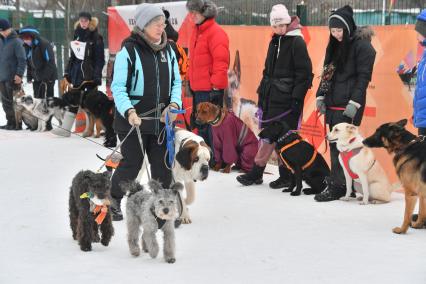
296	106
216	97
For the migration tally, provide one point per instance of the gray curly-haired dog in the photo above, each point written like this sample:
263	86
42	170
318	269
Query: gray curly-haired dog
153	210
89	190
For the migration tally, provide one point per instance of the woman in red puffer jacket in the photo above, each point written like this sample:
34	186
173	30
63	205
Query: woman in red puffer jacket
208	58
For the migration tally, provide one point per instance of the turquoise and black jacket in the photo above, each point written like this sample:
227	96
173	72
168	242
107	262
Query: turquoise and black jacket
154	80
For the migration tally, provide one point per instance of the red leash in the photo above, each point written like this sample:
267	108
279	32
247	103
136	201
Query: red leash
317	116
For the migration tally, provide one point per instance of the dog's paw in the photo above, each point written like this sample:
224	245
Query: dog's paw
105	242
217	167
364	203
417	225
344	198
186	220
359	198
96	238
86	248
398	230
295	193
308	191
135	251
153	253
171	260
227	169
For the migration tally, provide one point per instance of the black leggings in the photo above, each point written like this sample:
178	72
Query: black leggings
422	131
132	162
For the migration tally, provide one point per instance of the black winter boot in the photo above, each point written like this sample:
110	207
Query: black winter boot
116	213
254	176
283	180
333	191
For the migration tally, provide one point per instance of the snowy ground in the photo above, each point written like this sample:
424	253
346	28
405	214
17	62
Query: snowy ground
238	235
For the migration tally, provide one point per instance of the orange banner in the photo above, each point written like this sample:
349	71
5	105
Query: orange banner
388	97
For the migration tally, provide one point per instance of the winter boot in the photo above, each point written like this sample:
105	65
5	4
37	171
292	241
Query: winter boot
254	176
283	180
333	191
116	213
65	129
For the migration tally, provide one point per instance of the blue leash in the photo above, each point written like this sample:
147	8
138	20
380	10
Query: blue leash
170	135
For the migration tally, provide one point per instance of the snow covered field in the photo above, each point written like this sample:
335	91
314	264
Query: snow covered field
238	235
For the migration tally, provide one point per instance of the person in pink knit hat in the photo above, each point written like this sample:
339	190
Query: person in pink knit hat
287	76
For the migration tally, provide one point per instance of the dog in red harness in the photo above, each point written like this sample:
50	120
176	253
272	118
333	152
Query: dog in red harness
359	165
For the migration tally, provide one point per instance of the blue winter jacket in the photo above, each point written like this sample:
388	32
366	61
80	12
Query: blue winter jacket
419	103
12	57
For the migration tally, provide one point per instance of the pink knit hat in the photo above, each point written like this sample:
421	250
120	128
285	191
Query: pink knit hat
279	15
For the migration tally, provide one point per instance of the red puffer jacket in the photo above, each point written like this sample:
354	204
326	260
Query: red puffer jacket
208	57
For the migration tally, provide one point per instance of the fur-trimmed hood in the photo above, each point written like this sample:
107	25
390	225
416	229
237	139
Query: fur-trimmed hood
364	32
93	25
206	7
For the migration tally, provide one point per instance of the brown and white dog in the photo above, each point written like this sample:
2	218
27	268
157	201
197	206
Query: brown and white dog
192	156
227	129
359	165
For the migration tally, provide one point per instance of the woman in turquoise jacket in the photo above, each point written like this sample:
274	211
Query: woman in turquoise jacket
146	77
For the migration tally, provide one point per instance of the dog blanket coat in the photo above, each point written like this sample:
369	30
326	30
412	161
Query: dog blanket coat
234	142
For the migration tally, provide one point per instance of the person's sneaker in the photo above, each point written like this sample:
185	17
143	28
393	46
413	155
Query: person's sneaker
116	213
252	177
332	192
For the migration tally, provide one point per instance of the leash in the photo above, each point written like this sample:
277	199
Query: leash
142	116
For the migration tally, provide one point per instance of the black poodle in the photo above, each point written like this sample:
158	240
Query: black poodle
90	196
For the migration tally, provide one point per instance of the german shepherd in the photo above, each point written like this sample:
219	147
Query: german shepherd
410	166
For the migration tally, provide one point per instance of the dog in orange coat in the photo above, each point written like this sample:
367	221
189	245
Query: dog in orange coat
233	141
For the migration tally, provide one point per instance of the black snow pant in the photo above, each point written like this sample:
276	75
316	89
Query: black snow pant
132	162
422	131
337	174
6	90
43	90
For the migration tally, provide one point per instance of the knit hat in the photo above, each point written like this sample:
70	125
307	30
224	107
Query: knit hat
29	30
145	13
205	7
85	15
343	18
4	24
279	15
421	23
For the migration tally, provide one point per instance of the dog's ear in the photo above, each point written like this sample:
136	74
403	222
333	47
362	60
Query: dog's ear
155	186
184	158
402	123
177	187
237	65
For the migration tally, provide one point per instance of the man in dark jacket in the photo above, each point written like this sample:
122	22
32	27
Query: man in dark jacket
12	68
85	64
351	54
41	66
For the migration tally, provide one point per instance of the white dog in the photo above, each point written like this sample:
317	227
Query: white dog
359	164
43	110
192	156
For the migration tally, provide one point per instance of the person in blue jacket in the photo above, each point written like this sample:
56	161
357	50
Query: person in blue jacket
146	77
419	103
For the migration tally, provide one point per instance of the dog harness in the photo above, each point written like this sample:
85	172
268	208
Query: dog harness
346	157
160	222
295	142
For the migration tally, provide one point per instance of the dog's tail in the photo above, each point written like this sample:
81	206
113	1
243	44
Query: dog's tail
130	187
